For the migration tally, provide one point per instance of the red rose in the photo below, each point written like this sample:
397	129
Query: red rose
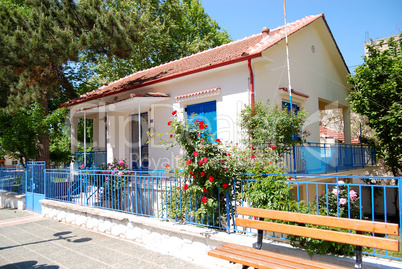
188	162
273	147
195	153
222	161
174	112
192	173
202	174
205	190
226	169
195	177
218	140
185	187
225	186
167	166
211	178
170	122
229	154
204	200
202	126
252	157
171	136
205	159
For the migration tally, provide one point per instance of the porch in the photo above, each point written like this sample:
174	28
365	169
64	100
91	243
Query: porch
324	158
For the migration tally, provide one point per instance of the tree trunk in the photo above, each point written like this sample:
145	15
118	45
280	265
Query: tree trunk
44	153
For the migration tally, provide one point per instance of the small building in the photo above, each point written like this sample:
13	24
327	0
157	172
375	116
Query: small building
216	84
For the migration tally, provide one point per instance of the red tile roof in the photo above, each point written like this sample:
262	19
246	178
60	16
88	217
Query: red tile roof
295	92
237	51
196	93
328	133
133	95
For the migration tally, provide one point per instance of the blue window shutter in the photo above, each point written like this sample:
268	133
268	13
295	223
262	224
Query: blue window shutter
204	112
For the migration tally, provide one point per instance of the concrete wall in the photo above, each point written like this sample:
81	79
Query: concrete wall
12	200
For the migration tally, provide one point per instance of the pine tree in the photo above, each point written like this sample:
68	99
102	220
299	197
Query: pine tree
48	48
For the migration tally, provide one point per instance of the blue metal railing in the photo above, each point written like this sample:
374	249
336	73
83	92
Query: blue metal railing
309	158
319	158
376	202
93	159
154	193
12	179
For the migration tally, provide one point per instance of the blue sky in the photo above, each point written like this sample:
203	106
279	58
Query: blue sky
351	21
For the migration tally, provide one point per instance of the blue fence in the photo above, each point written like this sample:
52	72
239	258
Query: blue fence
155	194
320	158
12	179
93	158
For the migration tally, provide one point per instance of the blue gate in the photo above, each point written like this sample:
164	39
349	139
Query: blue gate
35	185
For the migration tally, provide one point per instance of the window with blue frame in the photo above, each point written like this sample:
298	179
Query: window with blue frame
204	112
295	109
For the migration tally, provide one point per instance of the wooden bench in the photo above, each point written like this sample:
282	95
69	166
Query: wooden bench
255	257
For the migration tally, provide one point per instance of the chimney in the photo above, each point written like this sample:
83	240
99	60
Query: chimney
265	30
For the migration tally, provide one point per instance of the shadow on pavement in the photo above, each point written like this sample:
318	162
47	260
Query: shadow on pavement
60	236
29	264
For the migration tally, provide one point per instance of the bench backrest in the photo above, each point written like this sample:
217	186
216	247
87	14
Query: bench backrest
322	234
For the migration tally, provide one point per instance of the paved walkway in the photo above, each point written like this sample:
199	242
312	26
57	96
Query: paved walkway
29	241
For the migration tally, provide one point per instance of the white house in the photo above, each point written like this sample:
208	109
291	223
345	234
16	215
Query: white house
217	83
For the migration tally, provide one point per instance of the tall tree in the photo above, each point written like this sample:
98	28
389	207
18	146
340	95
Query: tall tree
49	49
41	37
377	94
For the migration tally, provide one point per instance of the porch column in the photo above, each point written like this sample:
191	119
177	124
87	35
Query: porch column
346	127
111	137
73	135
123	135
99	134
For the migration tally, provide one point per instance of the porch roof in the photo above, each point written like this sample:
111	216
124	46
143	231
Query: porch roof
144	100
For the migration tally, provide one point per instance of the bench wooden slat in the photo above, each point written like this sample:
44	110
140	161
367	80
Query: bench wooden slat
286	263
296	261
242	260
342	237
352	224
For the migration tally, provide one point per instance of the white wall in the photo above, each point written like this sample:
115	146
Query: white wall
315	70
233	82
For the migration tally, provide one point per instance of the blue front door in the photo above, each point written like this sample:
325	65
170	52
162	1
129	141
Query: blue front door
204	112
